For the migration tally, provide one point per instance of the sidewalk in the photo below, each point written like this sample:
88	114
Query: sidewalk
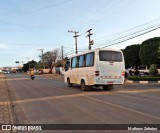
5	108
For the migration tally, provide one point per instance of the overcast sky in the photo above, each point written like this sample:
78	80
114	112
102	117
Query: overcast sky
28	25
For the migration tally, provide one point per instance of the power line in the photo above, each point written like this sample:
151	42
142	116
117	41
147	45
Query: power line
136	30
90	18
95	13
68	48
134	33
71	54
131	37
132	29
40	9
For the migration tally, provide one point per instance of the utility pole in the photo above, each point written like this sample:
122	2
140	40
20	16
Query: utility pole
62	51
75	32
42	57
89	36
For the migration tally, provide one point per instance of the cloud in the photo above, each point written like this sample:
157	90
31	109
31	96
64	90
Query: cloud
4	46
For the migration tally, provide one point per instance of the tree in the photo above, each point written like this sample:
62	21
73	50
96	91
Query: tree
150	52
30	64
131	55
39	65
25	67
49	58
61	63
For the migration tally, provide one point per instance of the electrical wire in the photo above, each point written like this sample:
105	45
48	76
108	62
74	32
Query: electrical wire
37	10
108	10
131	37
95	13
132	29
134	33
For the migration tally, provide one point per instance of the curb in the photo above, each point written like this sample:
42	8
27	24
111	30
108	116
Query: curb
142	82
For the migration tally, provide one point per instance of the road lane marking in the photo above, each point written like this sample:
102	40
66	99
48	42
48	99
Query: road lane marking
122	107
3	103
21	79
50	98
43	99
86	96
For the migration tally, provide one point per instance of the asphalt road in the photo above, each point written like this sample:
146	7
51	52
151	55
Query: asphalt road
49	101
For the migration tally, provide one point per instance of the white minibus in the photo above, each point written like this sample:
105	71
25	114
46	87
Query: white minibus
99	67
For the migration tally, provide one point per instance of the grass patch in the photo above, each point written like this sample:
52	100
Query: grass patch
144	78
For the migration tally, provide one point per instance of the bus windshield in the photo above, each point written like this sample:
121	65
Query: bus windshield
110	56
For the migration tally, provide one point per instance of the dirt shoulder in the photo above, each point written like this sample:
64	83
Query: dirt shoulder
6	116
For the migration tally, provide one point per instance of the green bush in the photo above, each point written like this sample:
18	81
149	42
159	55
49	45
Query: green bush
153	70
145	78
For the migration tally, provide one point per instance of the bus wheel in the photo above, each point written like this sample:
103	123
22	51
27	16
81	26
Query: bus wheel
68	82
107	87
83	85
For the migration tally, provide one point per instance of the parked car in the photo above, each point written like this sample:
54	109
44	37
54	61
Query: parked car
142	73
129	72
5	71
40	71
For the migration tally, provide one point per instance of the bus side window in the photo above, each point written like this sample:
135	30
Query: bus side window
74	62
77	63
87	59
81	60
90	59
84	63
84	60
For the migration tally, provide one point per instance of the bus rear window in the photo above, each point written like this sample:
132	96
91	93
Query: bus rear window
110	56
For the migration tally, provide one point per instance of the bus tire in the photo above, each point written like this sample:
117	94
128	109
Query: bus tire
69	83
107	87
83	85
110	87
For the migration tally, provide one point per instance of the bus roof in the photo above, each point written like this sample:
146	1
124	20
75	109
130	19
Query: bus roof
97	49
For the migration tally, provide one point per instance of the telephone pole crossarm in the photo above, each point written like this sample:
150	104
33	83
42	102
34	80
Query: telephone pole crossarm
89	36
75	36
